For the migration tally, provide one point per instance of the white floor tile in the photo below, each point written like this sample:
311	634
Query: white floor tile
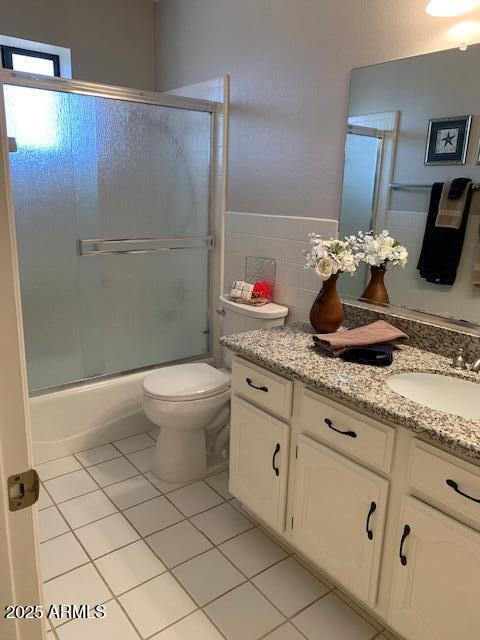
178	543
50	524
130	492
142	459
60	555
194	627
97	455
164	487
57	467
130	566
221	523
44	499
244	614
156	604
115	625
70	486
331	617
112	471
195	498
153	515
286	632
80	586
220	484
133	443
289	586
86	508
106	535
222	576
252	552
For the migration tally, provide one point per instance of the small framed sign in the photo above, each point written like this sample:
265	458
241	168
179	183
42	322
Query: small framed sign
447	140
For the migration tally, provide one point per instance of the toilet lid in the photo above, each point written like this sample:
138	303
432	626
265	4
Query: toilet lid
186	382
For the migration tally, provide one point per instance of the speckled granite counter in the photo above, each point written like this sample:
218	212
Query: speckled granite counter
289	351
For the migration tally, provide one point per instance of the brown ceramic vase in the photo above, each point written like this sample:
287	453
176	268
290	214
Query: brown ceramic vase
326	314
376	291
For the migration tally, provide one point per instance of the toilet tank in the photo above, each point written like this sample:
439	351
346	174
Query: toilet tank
243	317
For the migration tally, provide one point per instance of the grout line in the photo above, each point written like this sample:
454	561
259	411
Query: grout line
170	570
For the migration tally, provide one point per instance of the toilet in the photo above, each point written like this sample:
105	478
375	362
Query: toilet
185	400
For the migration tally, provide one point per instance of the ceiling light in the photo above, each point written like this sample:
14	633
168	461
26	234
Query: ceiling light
447	8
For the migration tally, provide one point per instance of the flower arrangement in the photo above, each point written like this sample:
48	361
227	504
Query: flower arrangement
379	250
329	257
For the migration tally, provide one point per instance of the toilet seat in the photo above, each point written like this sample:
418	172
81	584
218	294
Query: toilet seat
186	382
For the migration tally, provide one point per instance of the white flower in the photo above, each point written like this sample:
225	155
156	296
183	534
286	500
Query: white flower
378	250
332	256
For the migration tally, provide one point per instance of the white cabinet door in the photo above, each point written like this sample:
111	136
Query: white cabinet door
259	462
339	515
436	591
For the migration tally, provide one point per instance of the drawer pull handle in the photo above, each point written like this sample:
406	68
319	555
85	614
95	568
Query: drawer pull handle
277	450
373	508
351	434
406	533
250	384
454	486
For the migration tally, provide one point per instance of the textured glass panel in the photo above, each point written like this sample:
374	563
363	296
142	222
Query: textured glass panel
43	191
90	167
361	153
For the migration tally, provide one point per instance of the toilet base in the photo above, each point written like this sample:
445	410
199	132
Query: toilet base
180	456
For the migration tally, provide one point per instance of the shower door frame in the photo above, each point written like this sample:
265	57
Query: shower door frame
19	540
215	279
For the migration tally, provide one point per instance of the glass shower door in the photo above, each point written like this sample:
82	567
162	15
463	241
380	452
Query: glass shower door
112	209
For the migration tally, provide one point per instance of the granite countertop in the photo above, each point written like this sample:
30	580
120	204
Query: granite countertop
289	351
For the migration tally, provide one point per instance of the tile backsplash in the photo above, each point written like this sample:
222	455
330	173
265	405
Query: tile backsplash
283	238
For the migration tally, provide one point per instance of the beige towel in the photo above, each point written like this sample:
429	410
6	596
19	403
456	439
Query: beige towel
450	212
476	266
376	333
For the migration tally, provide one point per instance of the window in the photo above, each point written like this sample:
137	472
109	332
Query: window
47	64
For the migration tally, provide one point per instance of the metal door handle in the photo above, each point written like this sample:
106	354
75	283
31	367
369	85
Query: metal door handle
406	533
329	423
454	486
250	384
275	453
373	508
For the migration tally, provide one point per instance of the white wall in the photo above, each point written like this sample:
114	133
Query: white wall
111	40
290	63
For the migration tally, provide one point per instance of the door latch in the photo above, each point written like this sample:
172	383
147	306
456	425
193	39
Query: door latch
12	145
23	489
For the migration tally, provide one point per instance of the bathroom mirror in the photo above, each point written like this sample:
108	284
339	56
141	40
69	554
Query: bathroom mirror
409	127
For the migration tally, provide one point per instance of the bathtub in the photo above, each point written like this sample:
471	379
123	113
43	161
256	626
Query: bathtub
86	416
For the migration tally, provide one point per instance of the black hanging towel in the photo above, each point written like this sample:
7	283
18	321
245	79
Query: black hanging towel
442	247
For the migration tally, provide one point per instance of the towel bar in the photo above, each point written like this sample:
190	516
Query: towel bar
398	186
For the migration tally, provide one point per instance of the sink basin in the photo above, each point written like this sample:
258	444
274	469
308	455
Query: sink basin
443	393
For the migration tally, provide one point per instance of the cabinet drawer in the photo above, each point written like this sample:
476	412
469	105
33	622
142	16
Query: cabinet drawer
369	441
451	481
265	389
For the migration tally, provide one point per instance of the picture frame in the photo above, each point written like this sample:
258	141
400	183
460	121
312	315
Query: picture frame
447	140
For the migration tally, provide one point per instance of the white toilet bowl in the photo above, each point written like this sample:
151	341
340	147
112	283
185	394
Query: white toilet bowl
183	400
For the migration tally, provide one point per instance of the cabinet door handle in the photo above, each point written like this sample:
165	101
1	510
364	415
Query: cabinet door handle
275	453
373	508
329	423
406	533
454	486
250	384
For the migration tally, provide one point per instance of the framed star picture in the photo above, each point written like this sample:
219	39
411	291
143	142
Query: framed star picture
447	140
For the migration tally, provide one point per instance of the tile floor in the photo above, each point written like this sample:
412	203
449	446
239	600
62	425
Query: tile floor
172	562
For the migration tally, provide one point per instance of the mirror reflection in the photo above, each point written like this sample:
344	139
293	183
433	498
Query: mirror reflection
412	167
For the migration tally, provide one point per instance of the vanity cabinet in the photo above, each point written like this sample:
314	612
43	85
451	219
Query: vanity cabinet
338	516
259	462
436	587
387	516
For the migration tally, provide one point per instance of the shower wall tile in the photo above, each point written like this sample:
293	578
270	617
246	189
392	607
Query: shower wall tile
285	239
